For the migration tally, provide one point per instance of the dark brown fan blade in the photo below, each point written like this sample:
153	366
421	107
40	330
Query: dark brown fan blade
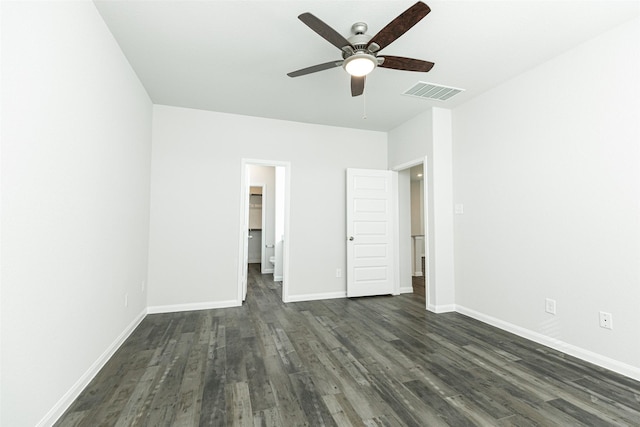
315	68
357	85
400	25
407	64
325	31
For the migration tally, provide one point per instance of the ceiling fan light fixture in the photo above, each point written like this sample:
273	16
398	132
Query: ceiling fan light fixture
360	64
360	51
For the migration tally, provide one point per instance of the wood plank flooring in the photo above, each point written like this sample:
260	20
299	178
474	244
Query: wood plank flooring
380	361
417	282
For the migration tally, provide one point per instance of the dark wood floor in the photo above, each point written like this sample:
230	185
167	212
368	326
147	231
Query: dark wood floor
417	282
380	361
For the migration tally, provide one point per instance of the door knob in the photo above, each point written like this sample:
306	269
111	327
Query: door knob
351	238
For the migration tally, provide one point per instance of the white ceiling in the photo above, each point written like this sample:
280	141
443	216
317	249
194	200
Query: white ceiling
233	56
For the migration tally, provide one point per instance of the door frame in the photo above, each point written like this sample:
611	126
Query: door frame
242	230
263	243
427	229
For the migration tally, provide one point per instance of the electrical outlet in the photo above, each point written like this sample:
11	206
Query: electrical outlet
126	300
606	320
338	272
142	286
550	306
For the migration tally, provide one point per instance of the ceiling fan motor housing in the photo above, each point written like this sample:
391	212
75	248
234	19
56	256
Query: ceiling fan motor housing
359	40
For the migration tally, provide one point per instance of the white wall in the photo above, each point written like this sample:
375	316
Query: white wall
442	296
548	168
195	201
76	138
411	140
429	134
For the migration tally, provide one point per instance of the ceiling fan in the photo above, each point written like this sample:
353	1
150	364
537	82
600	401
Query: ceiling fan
360	51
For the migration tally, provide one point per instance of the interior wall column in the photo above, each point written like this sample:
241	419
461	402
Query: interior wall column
442	291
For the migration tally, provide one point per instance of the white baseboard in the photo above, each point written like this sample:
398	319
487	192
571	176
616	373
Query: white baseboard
267	271
417	273
445	308
192	306
556	344
277	278
315	297
406	290
63	404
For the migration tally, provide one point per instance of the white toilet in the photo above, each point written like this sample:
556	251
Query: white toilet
272	260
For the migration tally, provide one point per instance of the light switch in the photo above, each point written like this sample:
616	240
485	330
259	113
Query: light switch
459	209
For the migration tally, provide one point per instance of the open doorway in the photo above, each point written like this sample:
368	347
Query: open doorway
418	252
413	227
265	223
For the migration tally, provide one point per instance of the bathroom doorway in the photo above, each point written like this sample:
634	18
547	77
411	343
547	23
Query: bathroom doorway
265	222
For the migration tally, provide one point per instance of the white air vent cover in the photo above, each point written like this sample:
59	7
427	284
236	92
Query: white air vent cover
432	91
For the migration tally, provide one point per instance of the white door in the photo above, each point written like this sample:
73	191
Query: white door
370	232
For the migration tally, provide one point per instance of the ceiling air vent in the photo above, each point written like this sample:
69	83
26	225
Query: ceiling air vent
432	91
